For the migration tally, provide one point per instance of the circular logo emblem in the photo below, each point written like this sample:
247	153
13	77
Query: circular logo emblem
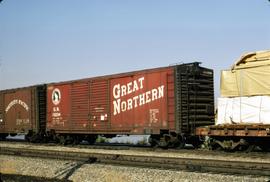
56	96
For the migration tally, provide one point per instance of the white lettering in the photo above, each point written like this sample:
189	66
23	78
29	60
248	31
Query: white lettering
124	90
56	109
134	101
116	106
161	91
129	90
141	82
154	94
148	99
56	114
16	101
116	91
22	121
142	99
129	101
123	106
135	86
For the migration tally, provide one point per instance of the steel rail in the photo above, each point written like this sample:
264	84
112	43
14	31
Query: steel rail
176	163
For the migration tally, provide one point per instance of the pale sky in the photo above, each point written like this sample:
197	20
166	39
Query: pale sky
51	41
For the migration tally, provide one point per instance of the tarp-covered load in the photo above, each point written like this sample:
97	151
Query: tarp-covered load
244	110
249	76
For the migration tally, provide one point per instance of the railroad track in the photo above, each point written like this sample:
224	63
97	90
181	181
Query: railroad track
176	163
120	146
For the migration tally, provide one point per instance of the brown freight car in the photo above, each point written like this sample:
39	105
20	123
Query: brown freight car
23	110
167	103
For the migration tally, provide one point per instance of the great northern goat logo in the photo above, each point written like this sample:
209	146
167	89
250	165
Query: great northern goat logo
56	96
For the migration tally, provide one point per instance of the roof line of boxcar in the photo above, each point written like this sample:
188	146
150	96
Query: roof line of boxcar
117	75
22	88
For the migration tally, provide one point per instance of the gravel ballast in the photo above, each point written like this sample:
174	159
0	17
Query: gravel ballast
80	171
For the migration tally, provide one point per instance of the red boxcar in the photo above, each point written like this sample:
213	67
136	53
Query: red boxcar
22	110
168	103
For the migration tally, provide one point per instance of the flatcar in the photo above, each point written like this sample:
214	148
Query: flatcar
167	103
244	106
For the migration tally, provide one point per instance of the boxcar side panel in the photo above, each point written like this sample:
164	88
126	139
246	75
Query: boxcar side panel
58	107
19	110
139	102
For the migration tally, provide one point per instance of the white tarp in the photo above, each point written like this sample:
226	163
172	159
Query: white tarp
244	110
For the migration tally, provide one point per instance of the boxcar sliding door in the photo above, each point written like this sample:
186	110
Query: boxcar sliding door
99	105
